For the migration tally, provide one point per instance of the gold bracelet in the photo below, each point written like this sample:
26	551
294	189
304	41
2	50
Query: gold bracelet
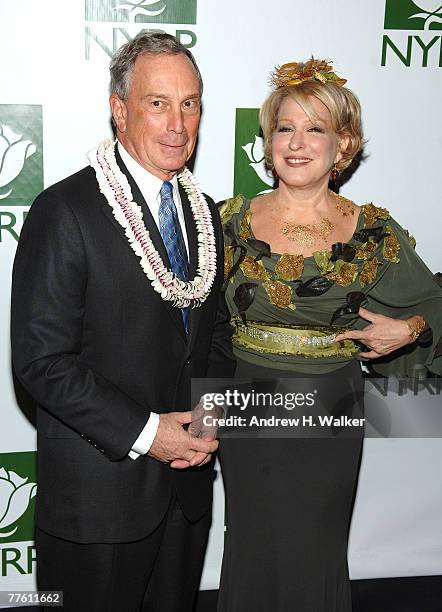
416	329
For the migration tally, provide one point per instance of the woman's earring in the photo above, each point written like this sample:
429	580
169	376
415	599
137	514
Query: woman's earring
334	173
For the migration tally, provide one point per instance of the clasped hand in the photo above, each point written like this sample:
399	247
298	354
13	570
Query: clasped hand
175	445
384	335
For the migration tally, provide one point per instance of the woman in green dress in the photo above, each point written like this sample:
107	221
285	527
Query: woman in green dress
311	277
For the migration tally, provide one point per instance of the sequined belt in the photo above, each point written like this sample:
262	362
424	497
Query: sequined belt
292	340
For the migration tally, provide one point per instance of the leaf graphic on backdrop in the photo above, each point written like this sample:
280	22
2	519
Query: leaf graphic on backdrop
140	8
431	8
429	19
19	503
4	144
6	490
13	153
15	495
255	150
255	153
14	159
9	134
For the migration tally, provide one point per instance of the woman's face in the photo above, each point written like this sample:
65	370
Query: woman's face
303	150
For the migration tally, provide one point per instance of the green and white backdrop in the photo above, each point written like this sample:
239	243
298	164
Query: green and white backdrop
54	107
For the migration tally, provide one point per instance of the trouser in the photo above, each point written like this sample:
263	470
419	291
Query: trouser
160	572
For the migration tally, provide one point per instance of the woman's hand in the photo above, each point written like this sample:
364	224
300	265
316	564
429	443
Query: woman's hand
383	336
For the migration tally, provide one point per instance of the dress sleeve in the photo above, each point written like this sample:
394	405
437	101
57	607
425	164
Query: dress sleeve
408	288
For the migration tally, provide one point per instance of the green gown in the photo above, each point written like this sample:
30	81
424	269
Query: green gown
289	501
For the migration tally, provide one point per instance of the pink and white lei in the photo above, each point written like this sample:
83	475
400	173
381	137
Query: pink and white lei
116	189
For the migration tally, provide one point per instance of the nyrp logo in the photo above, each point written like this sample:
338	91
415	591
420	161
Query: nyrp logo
251	175
143	11
408	15
420	49
21	153
17	492
14	151
21	164
111	23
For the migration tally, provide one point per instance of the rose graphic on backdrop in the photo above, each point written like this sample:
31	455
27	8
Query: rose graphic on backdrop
13	153
430	15
15	495
140	8
255	153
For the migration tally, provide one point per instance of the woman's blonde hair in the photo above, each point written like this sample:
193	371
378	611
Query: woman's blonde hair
343	105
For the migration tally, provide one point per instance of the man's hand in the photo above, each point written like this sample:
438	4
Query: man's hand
174	445
205	420
198	429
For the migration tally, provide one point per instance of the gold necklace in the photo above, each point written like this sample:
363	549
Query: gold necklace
309	233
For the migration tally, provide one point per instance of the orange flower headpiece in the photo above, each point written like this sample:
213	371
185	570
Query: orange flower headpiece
312	70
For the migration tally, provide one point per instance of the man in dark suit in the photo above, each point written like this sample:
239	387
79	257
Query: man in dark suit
116	305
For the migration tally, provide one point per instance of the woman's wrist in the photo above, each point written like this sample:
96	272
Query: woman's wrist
416	325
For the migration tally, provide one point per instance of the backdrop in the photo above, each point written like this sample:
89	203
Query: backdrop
54	108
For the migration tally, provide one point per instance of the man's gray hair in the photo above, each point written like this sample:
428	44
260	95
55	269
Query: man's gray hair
153	43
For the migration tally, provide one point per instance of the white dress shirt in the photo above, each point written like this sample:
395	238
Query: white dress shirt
150	187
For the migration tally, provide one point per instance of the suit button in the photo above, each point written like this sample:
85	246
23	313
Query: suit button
188	361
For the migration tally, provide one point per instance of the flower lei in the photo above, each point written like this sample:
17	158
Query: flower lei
116	189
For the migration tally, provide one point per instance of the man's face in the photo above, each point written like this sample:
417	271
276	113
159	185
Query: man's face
158	122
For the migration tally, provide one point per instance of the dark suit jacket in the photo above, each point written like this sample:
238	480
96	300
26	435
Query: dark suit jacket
98	348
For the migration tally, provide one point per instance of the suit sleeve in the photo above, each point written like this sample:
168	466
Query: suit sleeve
221	362
48	300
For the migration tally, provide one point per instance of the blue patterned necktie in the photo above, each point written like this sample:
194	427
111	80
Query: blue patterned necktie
170	230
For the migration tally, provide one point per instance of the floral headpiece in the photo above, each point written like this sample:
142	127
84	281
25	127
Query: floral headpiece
312	70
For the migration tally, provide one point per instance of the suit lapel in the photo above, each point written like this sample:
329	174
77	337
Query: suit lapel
154	234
